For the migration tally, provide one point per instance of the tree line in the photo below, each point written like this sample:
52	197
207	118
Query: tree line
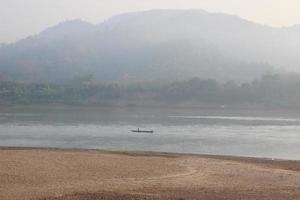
269	90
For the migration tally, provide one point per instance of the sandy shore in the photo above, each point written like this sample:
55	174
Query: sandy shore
49	174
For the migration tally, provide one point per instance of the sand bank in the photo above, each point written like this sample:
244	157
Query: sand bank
52	174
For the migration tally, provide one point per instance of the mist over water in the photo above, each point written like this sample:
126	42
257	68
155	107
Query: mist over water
204	131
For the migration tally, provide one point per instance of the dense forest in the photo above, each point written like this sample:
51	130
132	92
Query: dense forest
269	90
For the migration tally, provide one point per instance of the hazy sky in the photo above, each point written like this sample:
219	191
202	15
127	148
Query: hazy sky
21	18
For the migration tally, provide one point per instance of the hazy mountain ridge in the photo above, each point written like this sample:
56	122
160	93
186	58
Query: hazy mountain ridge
153	45
68	28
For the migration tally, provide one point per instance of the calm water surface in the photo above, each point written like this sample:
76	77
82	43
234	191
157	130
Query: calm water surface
272	134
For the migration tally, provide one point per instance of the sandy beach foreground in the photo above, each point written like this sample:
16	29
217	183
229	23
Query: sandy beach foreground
49	174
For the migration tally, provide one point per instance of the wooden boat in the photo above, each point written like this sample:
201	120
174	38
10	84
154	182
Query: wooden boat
142	131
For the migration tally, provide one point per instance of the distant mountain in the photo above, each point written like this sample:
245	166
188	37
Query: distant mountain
153	45
68	29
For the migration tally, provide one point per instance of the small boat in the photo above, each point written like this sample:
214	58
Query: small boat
142	131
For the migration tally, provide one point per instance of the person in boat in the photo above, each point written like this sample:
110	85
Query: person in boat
141	131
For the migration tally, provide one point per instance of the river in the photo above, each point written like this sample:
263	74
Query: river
255	133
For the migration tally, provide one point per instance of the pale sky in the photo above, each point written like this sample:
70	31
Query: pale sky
21	18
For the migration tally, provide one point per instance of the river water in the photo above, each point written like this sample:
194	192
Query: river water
271	134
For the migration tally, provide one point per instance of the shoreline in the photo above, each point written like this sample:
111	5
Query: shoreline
59	174
280	163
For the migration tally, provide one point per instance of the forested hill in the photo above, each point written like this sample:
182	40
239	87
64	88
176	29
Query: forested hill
158	45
